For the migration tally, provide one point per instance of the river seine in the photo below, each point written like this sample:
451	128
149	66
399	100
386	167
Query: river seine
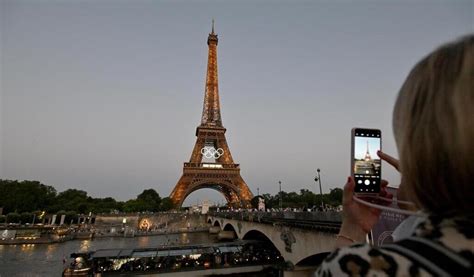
47	259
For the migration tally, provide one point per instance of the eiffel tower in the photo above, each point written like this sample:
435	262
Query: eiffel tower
211	164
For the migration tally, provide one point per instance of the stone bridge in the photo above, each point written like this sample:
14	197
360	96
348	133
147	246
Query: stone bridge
303	239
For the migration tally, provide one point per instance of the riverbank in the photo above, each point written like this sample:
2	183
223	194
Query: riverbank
38	236
152	233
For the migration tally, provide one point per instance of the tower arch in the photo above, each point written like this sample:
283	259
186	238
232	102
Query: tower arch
226	188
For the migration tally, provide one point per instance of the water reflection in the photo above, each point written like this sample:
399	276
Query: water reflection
184	238
143	242
27	248
47	259
50	251
85	244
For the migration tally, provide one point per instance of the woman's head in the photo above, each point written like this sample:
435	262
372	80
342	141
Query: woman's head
433	123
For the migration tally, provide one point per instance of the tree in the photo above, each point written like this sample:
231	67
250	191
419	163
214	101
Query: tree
71	199
26	217
150	196
102	205
166	204
25	196
269	200
71	216
335	196
135	205
13	218
149	200
254	201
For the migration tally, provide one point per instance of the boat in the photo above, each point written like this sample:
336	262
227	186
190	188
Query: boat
197	260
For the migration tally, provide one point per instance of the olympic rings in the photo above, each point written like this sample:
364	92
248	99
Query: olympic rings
211	152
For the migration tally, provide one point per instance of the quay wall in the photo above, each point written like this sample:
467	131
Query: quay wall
152	220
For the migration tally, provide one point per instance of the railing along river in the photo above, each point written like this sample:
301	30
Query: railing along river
323	221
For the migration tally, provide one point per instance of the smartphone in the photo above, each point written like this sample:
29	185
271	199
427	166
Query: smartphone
366	166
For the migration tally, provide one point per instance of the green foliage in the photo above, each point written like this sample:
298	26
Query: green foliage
166	204
24	200
305	199
149	200
69	199
13	218
26	217
149	195
269	201
71	216
254	202
25	196
335	197
133	205
3	218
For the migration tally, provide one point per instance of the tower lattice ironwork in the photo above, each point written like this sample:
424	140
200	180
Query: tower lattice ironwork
211	164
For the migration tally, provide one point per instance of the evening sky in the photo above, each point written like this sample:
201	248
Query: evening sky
105	96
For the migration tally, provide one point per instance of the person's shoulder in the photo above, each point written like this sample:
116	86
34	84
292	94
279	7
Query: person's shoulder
364	259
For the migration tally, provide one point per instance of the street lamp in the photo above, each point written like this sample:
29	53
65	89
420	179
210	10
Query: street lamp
280	198
316	179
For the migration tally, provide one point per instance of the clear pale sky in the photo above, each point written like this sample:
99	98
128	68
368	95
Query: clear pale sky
105	96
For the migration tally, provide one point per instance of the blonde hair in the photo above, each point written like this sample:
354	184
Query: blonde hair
433	123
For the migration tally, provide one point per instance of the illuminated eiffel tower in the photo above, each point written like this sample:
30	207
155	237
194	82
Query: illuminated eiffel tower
211	164
367	154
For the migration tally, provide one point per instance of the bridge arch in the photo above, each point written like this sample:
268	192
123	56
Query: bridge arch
260	236
209	221
256	235
229	227
295	245
217	224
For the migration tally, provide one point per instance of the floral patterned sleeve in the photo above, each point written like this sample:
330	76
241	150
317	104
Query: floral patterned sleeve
365	260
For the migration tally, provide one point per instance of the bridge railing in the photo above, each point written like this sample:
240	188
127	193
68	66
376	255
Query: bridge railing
328	221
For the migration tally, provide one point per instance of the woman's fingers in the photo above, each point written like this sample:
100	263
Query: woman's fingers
389	159
383	190
383	187
348	191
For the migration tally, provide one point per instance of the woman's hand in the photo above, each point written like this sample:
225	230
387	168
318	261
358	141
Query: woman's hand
402	192
358	219
389	159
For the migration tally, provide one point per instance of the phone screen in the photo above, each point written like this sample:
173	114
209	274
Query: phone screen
366	162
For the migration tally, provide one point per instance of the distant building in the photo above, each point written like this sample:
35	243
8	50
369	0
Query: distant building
205	207
261	204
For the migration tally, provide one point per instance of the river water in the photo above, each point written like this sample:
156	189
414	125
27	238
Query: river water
47	259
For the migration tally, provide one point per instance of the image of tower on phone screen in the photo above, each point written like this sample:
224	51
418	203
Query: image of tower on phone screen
366	161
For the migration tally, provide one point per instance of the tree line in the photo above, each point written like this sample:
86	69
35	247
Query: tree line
305	199
25	201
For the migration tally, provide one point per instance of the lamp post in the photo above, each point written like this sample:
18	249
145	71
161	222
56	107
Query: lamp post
280	197
316	179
